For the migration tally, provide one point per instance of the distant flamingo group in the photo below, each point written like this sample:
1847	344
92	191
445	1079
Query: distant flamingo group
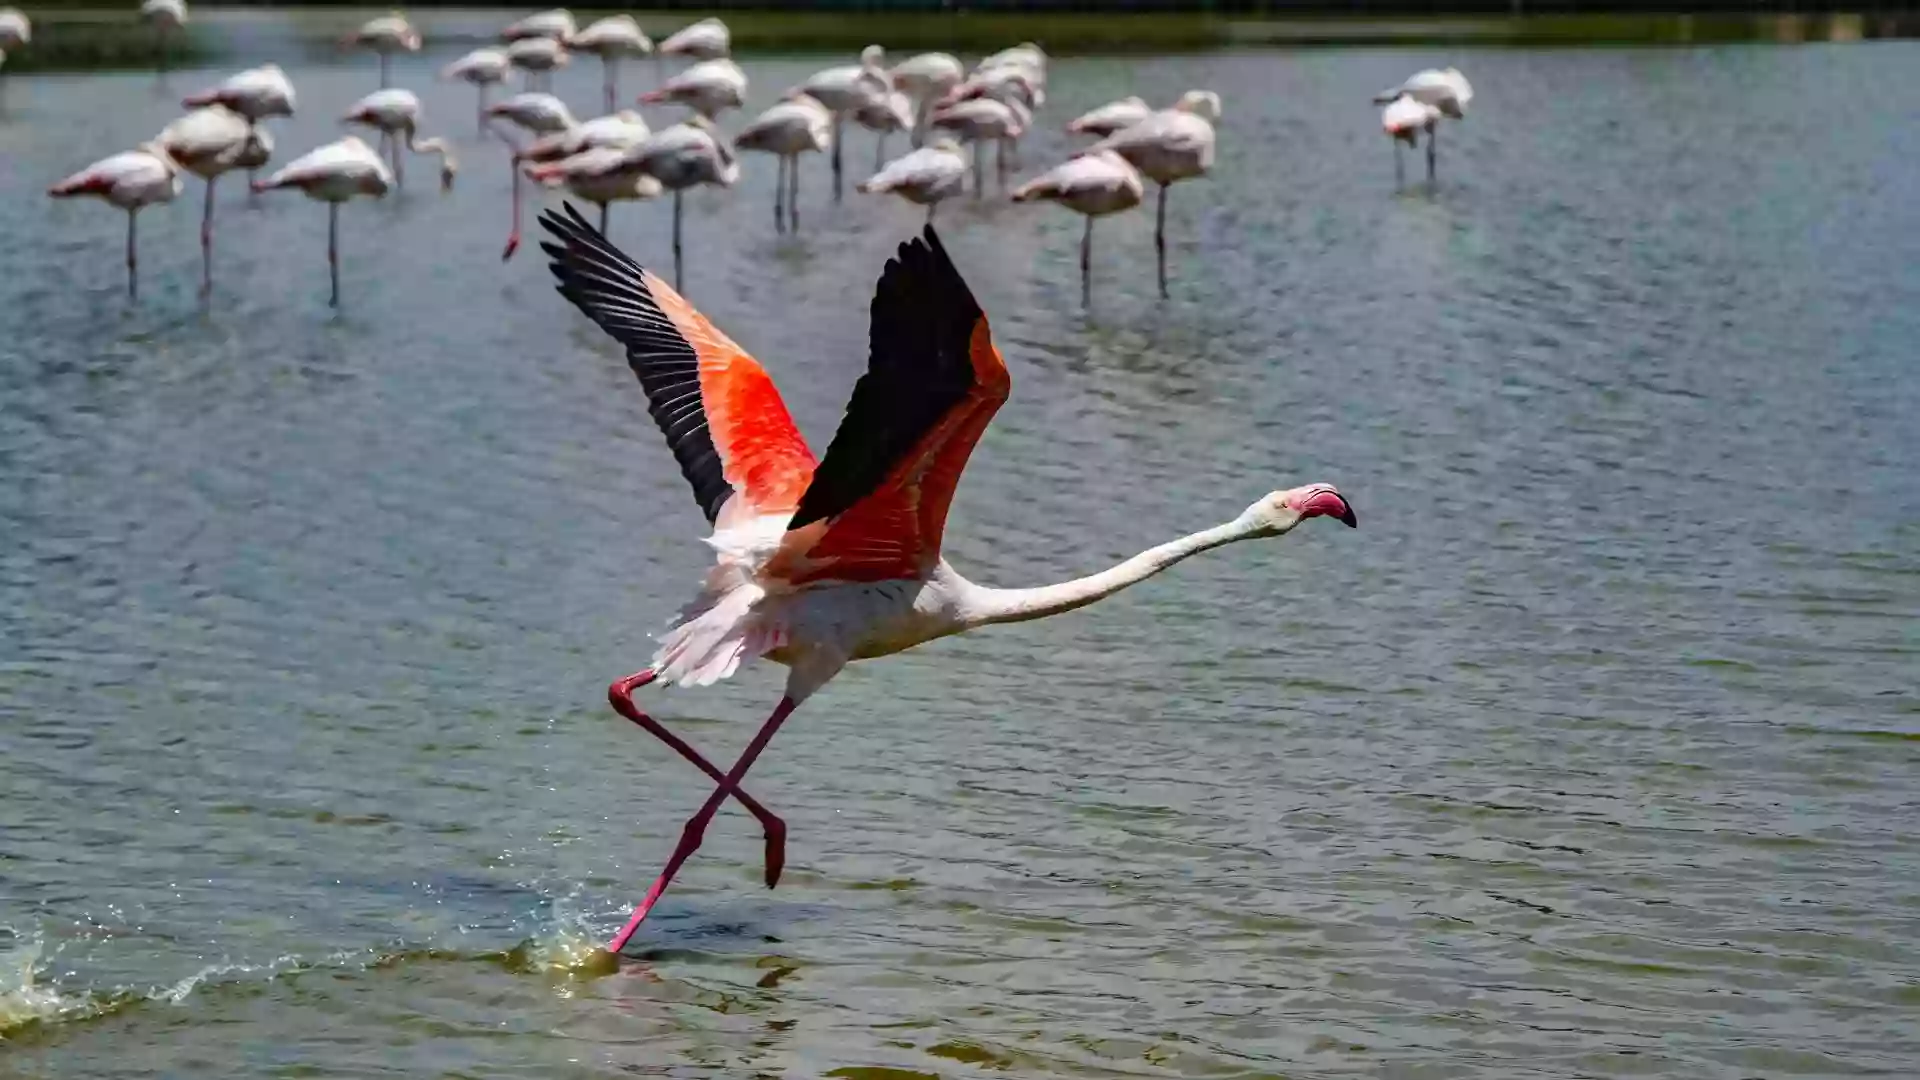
953	116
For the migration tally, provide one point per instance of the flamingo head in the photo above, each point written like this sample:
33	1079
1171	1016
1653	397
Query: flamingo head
1279	512
1202	103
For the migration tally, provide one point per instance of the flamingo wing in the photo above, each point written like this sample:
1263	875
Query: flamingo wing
877	506
724	421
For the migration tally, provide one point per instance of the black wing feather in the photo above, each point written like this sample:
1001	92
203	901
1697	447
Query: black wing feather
919	367
605	284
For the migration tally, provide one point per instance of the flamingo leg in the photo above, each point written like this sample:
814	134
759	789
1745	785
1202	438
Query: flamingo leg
1160	239
696	826
1086	264
206	241
793	196
1399	166
676	241
1433	134
399	169
609	65
133	256
604	209
838	125
1000	162
333	253
620	695
780	195
253	188
880	152
384	59
979	169
513	236
931	207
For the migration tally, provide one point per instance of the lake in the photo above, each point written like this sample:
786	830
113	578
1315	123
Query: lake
1593	752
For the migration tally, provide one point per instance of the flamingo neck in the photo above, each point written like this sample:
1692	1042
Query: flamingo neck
986	607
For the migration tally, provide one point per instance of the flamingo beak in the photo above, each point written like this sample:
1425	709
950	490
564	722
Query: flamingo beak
1321	500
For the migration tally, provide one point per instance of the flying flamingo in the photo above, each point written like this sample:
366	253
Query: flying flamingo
396	115
539	57
482	68
1111	117
600	175
978	120
1446	90
682	156
845	90
256	93
1403	120
924	78
558	136
788	129
1093	186
556	24
884	116
610	39
333	174
708	88
925	176
208	142
167	17
129	180
385	35
821	564
1169	146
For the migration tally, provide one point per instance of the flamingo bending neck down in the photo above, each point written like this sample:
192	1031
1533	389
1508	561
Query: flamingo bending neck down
823	563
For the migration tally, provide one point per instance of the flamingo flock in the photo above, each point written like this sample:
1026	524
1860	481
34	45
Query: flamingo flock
952	116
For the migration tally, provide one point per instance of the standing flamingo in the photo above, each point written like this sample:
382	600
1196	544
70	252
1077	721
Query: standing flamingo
707	39
541	114
788	128
600	175
883	117
821	564
556	24
1111	117
129	180
1447	90
482	68
709	88
845	91
256	93
1093	186
610	39
1403	120
924	78
167	17
558	136
16	30
685	155
976	121
925	176
395	114
1169	146
333	174
208	142
385	35
539	57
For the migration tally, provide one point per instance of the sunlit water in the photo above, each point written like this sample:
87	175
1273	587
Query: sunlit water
1592	752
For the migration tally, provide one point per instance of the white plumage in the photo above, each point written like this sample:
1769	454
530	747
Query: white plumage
707	39
924	177
708	88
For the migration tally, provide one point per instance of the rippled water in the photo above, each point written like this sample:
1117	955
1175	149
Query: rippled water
1592	752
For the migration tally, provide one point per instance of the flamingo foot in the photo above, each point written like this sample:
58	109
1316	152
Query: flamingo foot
513	245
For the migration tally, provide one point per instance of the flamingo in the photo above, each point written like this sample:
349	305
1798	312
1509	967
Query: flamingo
539	57
610	39
1403	120
333	174
1170	145
707	39
599	175
924	78
682	156
1445	89
1093	186
167	17
482	68
708	88
821	564
845	91
208	142
16	30
385	35
1111	117
130	180
557	137
788	129
883	116
256	93
556	24
977	120
925	176
396	115
1016	85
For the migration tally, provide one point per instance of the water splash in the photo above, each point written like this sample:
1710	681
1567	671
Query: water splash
23	1002
565	948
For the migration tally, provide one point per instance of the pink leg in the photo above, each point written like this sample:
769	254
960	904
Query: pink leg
620	696
696	829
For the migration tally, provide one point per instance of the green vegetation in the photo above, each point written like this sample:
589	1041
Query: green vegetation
66	40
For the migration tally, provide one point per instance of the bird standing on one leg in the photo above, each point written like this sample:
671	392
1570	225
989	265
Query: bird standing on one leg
825	562
1094	185
131	181
1169	146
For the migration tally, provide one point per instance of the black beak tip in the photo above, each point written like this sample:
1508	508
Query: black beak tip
1347	516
